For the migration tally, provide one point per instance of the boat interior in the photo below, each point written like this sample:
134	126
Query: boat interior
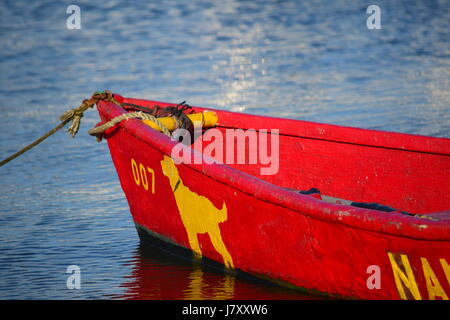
332	163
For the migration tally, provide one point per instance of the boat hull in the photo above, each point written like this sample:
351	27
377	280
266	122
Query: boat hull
202	208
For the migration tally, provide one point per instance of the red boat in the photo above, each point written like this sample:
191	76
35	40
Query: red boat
346	212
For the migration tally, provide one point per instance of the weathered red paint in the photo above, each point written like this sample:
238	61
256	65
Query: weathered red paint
277	233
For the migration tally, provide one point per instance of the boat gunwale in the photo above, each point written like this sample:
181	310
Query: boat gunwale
331	132
393	224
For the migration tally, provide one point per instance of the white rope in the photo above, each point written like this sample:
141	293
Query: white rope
126	116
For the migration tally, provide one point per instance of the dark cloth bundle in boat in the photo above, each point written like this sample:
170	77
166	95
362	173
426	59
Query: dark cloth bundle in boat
310	191
373	206
314	192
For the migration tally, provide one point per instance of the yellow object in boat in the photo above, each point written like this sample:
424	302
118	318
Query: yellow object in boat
208	119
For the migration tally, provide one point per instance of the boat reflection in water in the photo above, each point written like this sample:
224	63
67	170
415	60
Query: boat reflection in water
158	273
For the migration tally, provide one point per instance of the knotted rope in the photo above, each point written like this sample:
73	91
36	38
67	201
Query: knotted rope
75	116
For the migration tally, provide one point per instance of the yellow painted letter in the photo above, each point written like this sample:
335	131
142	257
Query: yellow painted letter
404	277
433	286
446	269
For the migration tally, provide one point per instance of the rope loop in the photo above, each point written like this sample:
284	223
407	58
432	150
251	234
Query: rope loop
98	131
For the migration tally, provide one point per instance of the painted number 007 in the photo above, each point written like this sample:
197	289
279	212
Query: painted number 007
140	175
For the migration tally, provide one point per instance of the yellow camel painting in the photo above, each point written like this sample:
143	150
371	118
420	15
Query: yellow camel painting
198	213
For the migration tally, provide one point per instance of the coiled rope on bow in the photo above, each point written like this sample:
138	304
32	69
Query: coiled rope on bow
75	115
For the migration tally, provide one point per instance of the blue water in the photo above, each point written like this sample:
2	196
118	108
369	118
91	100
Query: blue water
61	203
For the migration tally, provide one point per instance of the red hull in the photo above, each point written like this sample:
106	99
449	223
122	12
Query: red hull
264	228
